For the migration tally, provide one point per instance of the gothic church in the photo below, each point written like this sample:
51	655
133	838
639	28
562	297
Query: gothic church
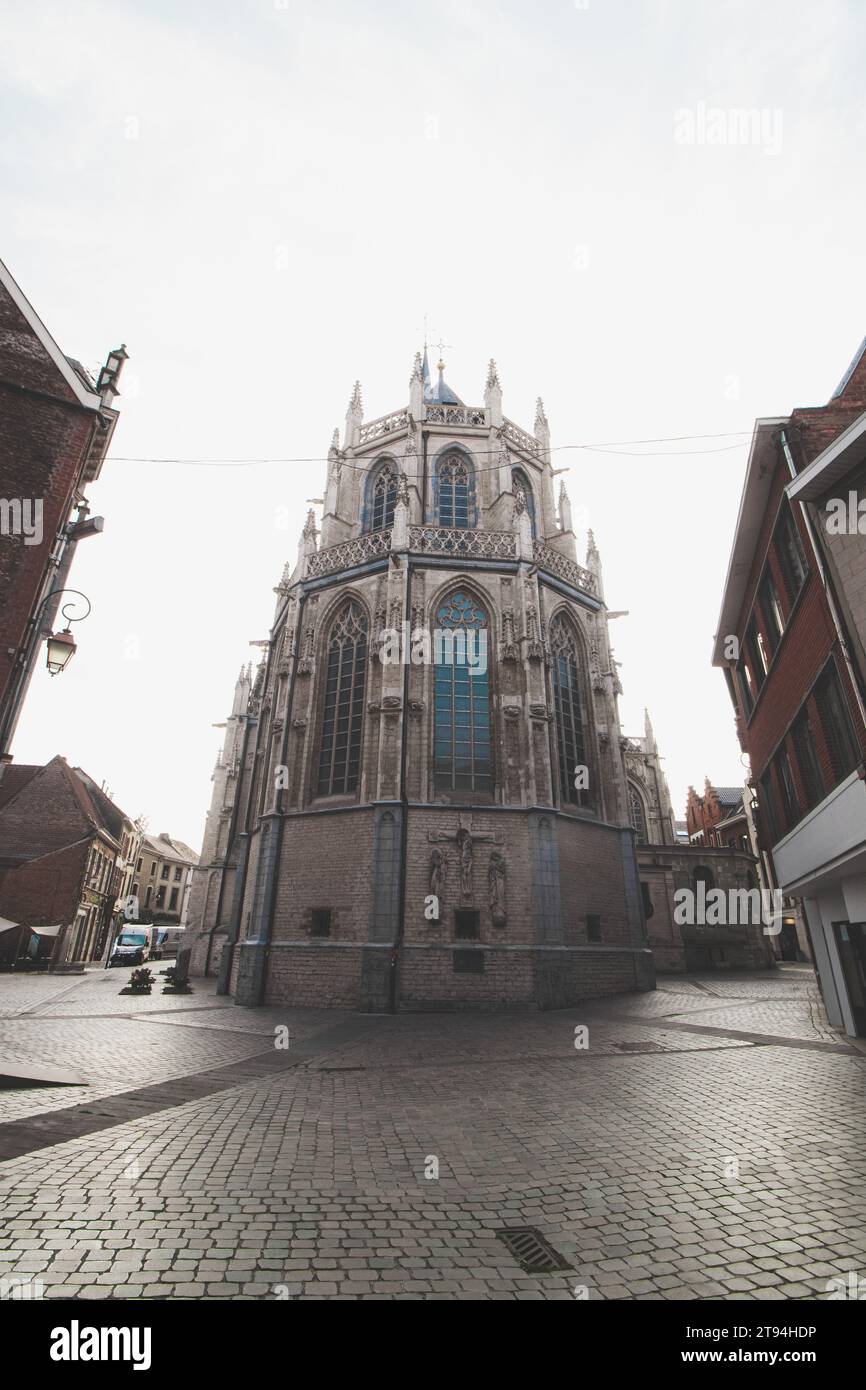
432	833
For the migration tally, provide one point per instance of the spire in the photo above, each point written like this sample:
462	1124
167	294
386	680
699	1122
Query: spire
649	734
242	690
542	429
335	443
565	522
593	562
493	396
425	377
354	416
417	389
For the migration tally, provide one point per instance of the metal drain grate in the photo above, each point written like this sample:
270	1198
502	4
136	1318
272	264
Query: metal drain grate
639	1047
531	1251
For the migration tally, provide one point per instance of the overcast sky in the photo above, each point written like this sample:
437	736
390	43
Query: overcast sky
263	200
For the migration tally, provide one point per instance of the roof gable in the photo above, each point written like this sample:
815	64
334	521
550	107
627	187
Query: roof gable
29	356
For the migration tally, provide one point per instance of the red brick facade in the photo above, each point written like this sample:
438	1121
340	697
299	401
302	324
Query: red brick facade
55	426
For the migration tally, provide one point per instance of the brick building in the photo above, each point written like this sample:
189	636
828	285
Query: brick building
395	823
718	817
66	858
55	428
790	640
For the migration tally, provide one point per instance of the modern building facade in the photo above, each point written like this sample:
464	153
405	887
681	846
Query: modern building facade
422	799
790	640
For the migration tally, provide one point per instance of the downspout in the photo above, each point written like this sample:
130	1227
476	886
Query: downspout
827	586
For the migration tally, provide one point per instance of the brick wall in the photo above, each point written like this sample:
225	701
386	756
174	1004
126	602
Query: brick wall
47	890
44	435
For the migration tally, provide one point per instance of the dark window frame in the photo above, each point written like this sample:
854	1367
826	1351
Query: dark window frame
341	731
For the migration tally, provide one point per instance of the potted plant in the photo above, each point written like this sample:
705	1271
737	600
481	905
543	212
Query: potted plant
140	982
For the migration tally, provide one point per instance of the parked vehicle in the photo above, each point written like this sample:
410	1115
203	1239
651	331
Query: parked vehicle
134	946
168	942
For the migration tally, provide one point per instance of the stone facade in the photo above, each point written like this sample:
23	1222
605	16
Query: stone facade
371	845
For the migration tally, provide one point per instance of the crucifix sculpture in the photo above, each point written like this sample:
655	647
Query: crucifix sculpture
465	838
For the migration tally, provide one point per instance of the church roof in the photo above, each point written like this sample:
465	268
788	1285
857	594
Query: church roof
441	393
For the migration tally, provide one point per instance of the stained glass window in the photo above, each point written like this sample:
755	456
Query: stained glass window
462	745
343	715
570	735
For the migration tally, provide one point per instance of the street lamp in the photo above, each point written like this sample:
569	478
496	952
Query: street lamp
61	645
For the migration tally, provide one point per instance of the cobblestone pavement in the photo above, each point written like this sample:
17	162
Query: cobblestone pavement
660	1161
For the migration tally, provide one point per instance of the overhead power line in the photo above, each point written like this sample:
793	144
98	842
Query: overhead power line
613	446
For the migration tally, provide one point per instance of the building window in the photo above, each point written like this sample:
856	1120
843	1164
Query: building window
836	722
320	921
456	488
165	871
790	801
160	897
792	556
638	815
593	927
757	652
138	867
767	803
382	498
153	868
772	611
467	962
462	744
172	902
569	712
705	876
522	488
746	687
177	874
467	924
807	759
147	895
343	715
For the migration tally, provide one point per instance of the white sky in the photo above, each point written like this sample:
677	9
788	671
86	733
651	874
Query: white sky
263	201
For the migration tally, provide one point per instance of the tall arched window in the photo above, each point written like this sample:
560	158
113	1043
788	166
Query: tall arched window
456	491
704	875
570	731
381	497
462	748
638	815
522	487
343	715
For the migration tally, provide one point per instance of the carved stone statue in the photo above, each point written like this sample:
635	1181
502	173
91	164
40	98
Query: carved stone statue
437	873
496	882
464	847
